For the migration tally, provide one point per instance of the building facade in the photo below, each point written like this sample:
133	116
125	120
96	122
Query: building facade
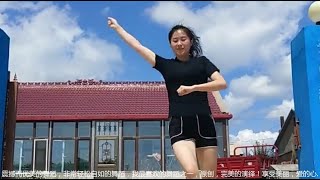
288	140
94	126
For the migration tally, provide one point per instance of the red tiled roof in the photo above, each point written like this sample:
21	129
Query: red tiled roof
90	100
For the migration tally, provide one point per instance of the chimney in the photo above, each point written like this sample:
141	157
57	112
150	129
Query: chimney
281	121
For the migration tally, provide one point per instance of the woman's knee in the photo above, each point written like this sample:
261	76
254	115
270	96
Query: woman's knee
191	171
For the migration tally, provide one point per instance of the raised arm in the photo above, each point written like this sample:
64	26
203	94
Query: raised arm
146	53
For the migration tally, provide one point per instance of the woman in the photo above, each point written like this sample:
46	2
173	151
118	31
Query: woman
191	126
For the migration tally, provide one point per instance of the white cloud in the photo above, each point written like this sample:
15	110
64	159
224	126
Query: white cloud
176	12
247	137
254	86
105	11
245	91
3	18
25	6
235	34
281	75
47	44
281	110
237	104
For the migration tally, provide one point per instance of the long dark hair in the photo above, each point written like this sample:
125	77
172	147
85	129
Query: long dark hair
195	50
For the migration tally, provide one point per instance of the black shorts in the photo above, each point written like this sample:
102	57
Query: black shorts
200	128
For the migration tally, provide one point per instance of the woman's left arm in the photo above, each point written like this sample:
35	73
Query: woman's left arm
217	83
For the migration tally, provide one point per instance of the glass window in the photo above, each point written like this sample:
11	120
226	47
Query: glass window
42	129
108	128
64	129
129	128
83	155
84	129
22	160
149	155
40	152
24	130
171	162
149	128
166	128
62	155
129	155
220	138
107	151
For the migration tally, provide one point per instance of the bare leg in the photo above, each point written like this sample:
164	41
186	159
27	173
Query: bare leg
207	160
185	152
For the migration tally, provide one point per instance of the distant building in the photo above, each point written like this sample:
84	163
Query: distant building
287	141
90	125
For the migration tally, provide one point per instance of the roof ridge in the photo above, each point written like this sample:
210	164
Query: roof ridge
89	82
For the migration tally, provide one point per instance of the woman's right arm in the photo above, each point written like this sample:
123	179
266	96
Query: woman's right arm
133	42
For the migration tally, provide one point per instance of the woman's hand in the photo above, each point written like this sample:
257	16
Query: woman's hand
112	23
184	90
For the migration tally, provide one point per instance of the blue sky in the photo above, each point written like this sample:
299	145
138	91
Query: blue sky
248	41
